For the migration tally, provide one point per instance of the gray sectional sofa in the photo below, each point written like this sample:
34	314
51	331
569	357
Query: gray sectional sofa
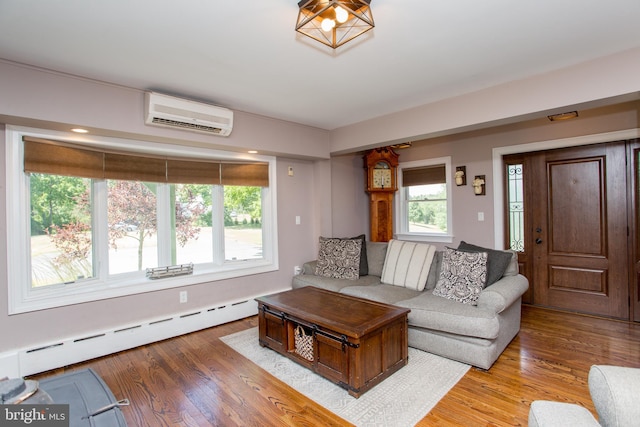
473	334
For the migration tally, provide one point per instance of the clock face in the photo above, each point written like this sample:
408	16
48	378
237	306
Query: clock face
382	178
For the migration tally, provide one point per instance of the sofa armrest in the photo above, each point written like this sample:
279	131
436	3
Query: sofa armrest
309	267
543	413
614	391
500	295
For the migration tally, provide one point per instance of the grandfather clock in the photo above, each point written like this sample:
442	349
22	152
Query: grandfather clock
381	166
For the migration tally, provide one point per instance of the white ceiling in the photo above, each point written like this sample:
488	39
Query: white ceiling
245	55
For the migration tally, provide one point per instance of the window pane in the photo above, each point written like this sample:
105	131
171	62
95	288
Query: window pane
427	208
516	207
242	222
132	219
191	224
61	239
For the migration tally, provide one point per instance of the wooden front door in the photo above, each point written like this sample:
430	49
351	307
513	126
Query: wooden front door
576	235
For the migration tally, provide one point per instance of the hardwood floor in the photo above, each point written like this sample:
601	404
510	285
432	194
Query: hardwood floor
196	380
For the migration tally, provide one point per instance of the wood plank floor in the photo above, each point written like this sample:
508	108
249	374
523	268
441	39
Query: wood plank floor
196	380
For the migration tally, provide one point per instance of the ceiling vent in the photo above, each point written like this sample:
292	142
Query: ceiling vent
168	111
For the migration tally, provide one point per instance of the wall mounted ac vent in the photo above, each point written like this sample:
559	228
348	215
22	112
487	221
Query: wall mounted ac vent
168	111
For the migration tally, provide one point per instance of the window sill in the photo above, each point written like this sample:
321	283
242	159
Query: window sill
415	237
89	291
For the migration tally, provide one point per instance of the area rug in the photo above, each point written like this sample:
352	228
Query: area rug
401	400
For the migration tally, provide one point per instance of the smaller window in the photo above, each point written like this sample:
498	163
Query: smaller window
423	207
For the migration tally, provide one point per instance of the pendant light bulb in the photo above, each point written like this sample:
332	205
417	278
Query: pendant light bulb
327	24
341	15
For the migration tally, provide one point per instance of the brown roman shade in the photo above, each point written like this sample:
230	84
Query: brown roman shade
126	167
193	172
56	159
241	173
424	176
62	158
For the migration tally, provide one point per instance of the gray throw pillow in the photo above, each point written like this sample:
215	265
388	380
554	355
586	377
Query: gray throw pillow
364	262
434	271
497	261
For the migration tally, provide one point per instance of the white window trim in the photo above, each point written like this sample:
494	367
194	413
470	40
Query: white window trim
22	298
402	227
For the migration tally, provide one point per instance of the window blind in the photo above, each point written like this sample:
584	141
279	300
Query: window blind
63	158
424	176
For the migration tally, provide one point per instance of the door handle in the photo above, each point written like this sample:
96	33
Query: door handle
538	241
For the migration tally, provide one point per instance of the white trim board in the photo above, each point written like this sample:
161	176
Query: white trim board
54	354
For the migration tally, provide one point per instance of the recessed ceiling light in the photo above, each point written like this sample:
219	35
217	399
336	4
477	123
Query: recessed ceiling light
79	130
252	152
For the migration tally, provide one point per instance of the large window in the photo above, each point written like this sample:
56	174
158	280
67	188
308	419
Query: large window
88	219
423	207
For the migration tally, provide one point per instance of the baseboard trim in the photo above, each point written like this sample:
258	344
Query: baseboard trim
55	354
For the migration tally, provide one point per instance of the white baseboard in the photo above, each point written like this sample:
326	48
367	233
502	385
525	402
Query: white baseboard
55	354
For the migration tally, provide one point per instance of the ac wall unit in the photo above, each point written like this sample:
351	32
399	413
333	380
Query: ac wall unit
168	111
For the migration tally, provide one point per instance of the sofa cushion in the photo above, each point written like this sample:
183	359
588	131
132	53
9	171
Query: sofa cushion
462	276
440	314
376	253
388	294
407	264
339	258
330	284
497	261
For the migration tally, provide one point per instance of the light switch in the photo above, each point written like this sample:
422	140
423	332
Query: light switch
297	219
480	216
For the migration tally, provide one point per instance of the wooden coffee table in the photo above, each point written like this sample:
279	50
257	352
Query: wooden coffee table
357	343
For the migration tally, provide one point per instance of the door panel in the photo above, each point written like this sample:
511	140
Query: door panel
634	196
580	229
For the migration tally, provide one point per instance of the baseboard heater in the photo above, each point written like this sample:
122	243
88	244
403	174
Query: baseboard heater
52	355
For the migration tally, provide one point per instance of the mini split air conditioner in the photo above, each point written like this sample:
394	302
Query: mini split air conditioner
168	111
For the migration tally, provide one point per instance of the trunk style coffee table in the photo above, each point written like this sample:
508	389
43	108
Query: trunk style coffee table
353	342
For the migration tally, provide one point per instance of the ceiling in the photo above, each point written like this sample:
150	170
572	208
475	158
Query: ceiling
245	55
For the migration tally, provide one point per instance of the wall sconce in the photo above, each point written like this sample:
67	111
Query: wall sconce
479	185
461	175
563	116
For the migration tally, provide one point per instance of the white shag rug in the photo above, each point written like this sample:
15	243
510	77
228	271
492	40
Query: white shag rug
401	400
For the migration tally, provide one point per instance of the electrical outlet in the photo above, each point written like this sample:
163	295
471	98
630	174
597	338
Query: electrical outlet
297	270
183	296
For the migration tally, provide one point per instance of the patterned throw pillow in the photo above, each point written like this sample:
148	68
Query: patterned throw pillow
339	258
462	276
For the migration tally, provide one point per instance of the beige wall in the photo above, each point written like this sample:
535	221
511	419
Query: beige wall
605	81
475	151
36	98
326	192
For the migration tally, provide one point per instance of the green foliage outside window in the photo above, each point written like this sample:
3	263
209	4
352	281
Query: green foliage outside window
61	210
427	208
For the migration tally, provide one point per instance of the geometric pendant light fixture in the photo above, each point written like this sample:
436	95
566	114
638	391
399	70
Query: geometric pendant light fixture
334	22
